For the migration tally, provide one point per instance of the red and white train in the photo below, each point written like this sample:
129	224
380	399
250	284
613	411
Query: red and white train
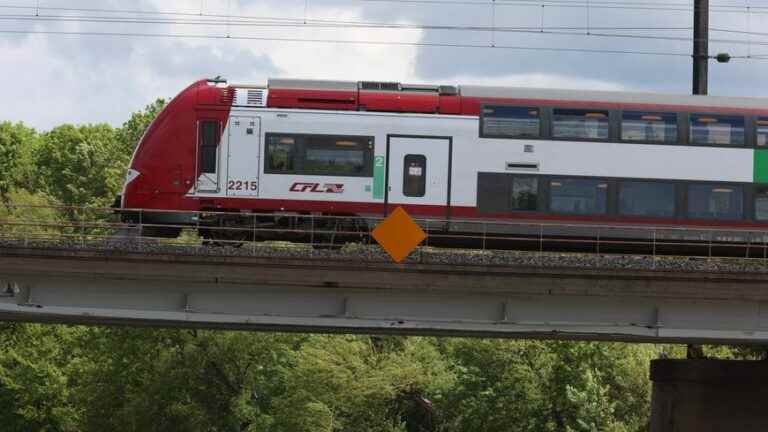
463	154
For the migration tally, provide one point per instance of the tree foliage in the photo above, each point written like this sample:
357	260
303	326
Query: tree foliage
76	165
130	133
80	165
36	369
121	379
15	141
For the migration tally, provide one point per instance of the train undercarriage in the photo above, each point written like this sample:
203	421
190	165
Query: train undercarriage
324	231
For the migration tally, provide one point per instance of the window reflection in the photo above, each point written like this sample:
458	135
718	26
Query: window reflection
650	199
578	196
580	124
715	201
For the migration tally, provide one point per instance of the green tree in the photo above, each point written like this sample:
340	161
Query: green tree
182	380
15	142
549	386
28	214
80	165
130	133
501	385
36	390
86	165
351	383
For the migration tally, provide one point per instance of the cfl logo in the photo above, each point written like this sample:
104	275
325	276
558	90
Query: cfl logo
317	188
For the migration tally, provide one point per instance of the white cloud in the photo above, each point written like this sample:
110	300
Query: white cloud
82	79
75	79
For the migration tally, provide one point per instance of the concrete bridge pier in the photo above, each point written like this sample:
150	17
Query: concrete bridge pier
709	395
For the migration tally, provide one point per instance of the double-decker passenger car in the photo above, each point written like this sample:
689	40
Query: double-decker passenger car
460	154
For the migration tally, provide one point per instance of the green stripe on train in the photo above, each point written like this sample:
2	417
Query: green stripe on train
760	170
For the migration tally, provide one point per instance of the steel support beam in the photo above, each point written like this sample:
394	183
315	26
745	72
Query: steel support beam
315	295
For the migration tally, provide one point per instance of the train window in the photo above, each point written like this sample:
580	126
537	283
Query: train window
524	194
337	155
715	201
414	175
209	143
578	196
580	124
500	192
653	127
510	122
717	129
490	188
650	199
761	129
331	155
281	152
761	204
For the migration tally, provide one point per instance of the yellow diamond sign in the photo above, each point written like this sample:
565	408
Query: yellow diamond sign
398	234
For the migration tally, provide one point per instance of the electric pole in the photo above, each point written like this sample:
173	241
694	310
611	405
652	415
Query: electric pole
700	72
700	46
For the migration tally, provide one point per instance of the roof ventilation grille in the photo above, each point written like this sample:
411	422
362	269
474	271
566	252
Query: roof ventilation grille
225	97
383	86
251	97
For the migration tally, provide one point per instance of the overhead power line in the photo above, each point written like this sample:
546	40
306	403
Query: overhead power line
580	4
268	22
638	6
166	17
264	21
594	32
350	42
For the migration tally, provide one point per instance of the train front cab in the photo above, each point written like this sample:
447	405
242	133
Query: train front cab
167	162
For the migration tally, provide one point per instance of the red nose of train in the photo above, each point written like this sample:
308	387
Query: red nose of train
163	167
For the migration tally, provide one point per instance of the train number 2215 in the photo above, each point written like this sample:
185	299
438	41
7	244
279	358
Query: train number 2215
242	185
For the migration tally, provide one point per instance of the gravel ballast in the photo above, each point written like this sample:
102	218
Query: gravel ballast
422	255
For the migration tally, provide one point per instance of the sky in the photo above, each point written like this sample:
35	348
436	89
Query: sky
54	78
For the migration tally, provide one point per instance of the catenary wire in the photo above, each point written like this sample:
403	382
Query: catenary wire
592	4
326	23
347	41
352	24
562	31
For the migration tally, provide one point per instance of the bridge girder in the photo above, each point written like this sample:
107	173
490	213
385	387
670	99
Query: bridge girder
345	296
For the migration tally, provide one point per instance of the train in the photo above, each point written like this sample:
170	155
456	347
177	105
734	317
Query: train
461	155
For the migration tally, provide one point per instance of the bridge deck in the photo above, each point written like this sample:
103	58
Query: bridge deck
334	292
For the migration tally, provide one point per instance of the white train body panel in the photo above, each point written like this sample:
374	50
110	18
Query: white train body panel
242	158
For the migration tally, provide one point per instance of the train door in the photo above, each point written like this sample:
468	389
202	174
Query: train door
243	155
208	140
418	174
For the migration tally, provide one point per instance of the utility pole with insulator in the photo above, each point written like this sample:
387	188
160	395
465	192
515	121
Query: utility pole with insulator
700	46
700	71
